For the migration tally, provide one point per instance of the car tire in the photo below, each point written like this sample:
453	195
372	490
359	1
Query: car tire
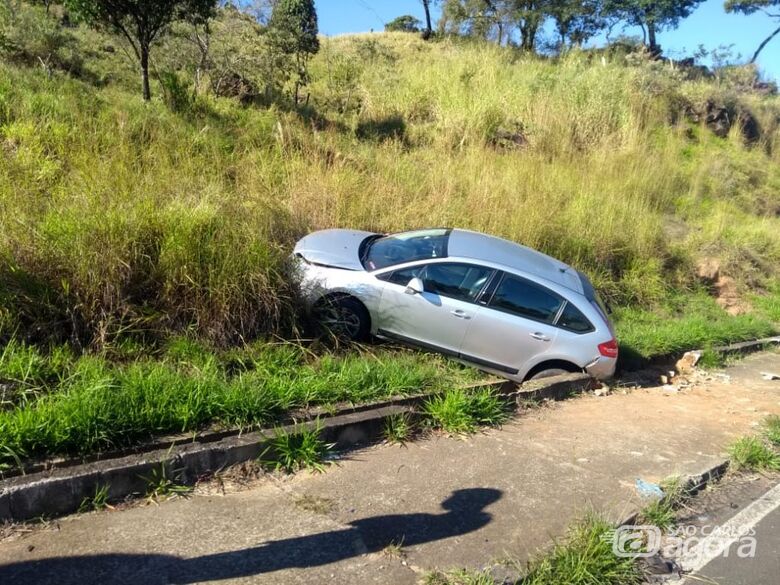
549	373
344	318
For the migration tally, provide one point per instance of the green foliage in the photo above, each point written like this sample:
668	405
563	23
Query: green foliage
772	429
405	23
585	557
459	577
99	405
398	428
300	449
576	20
752	454
140	22
96	502
662	512
688	322
464	411
32	36
711	360
652	15
292	31
164	482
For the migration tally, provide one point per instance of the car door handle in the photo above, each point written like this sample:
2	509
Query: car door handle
460	314
540	336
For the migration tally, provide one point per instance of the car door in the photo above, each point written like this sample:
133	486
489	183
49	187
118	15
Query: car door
439	317
513	324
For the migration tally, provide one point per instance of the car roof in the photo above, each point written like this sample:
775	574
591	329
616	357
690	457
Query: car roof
477	246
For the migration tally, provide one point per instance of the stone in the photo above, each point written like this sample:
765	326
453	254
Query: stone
687	363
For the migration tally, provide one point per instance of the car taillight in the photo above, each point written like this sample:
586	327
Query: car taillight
609	348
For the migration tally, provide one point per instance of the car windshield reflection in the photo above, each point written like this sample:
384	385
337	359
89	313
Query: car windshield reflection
406	247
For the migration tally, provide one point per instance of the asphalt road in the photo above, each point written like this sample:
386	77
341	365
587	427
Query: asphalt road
763	569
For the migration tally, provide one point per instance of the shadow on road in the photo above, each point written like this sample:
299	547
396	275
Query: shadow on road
464	513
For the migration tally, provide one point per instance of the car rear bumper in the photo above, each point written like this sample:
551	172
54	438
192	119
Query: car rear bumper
602	368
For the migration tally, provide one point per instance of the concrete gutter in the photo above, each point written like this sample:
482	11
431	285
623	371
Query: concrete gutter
62	489
746	346
691	485
58	488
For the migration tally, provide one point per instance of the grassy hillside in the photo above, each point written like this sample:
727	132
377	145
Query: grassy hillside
124	225
121	217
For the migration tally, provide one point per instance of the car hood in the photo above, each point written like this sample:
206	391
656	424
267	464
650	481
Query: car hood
337	248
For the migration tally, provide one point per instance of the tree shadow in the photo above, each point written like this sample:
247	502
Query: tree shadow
464	513
382	129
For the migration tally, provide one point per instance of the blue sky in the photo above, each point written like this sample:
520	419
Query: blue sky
709	25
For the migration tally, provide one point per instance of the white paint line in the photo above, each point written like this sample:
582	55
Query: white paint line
741	523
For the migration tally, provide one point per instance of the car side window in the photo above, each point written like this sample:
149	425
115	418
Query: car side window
572	319
402	276
458	281
526	299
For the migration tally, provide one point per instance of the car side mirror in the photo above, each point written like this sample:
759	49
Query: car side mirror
414	287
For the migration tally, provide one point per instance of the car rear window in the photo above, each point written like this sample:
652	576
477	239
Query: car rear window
572	319
526	299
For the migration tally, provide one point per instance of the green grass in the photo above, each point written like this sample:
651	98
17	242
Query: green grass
458	577
398	428
690	322
464	411
301	449
101	405
164	482
753	454
120	216
585	557
96	502
772	429
663	512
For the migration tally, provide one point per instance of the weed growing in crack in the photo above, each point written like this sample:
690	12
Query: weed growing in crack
303	449
753	454
98	501
398	428
163	483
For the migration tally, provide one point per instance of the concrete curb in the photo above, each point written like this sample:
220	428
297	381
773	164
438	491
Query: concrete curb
746	346
211	436
61	490
692	485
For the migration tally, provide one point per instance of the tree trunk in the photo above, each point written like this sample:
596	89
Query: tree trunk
428	29
652	44
145	72
763	44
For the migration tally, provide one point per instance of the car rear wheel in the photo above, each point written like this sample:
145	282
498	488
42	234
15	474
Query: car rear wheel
549	373
344	318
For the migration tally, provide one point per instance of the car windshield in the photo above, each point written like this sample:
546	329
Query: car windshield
405	247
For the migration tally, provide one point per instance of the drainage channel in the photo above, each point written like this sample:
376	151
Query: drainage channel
56	488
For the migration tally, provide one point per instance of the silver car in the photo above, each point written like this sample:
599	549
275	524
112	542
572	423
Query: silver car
495	304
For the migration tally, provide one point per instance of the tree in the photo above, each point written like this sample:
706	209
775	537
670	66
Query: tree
405	23
751	6
576	20
651	16
486	19
141	22
293	32
530	15
428	30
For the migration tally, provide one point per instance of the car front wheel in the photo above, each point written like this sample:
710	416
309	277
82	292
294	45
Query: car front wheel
344	318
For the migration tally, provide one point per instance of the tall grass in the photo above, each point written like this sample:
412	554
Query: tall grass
118	217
